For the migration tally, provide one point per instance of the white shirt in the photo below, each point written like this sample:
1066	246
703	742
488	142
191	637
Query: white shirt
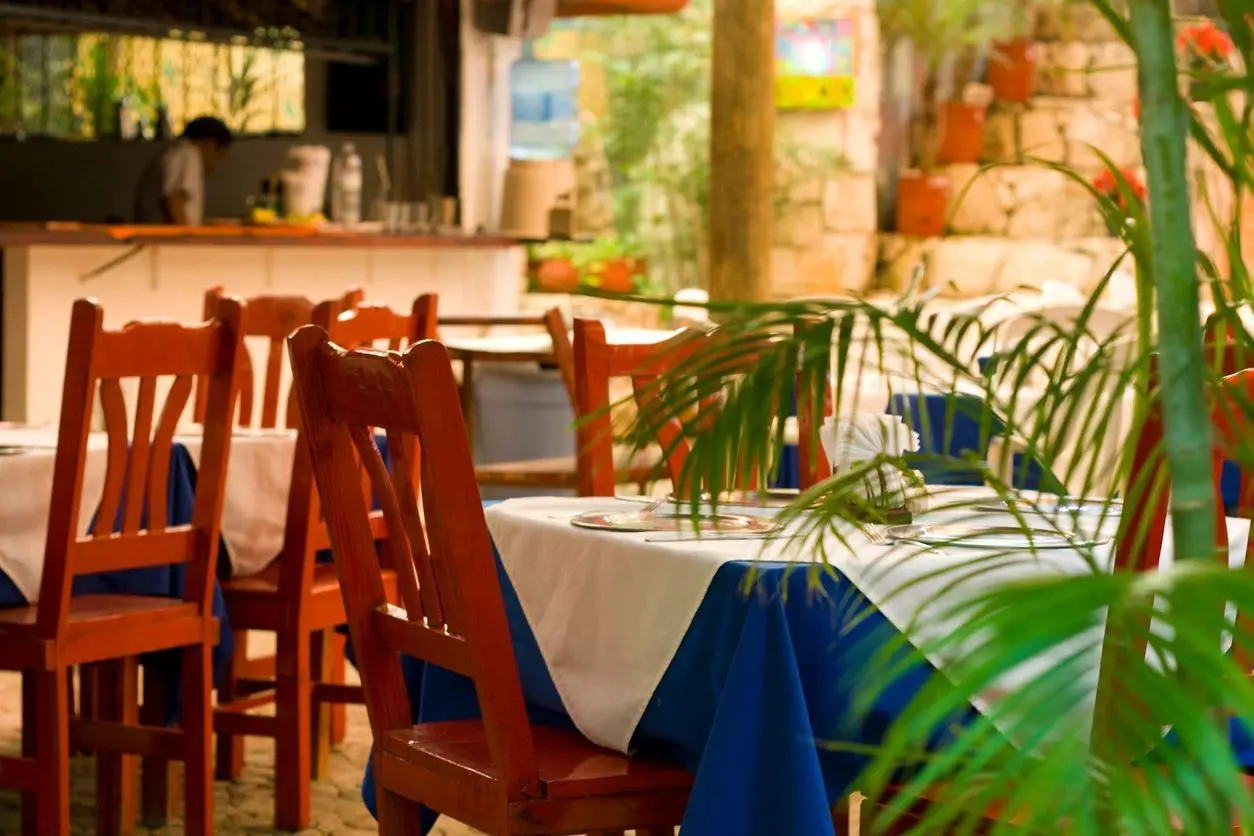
178	169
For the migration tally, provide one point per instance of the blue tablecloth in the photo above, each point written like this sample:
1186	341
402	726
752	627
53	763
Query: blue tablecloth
757	679
164	581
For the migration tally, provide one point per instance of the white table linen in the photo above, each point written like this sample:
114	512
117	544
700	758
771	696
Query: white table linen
609	610
253	515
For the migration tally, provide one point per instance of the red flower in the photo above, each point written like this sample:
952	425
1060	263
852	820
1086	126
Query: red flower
1107	184
1205	40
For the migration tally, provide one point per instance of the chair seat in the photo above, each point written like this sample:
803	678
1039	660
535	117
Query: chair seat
254	603
569	765
105	627
563	471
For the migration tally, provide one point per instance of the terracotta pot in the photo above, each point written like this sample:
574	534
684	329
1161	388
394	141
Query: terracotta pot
578	8
922	203
1012	70
961	133
618	275
554	275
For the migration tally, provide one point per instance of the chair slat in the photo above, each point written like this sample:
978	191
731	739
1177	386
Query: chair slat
113	406
417	580
137	468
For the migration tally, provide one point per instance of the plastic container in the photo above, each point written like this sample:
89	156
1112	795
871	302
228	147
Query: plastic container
544	109
346	186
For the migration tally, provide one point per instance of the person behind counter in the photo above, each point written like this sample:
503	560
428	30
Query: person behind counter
172	187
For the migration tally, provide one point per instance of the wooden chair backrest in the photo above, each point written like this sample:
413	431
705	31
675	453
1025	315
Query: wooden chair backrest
305	532
552	321
272	318
130	530
453	614
597	362
1139	548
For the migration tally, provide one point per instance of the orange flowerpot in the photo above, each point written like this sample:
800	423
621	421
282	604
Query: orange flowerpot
1012	70
922	203
961	133
619	275
554	275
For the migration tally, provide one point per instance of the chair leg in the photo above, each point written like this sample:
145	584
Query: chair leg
117	697
321	670
197	723
293	695
397	816
339	675
230	754
29	750
50	711
154	772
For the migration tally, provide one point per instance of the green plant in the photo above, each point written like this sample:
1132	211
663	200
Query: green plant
99	87
945	35
1069	737
656	137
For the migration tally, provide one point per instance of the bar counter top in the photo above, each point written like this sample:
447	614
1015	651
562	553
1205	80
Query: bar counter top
65	234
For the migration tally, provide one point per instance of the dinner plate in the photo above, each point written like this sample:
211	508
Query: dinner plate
771	498
1009	538
636	521
1052	504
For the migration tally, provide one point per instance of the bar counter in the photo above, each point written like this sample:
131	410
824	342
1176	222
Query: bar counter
146	272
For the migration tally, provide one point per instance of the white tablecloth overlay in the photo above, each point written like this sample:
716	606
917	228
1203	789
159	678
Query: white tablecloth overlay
253	514
609	610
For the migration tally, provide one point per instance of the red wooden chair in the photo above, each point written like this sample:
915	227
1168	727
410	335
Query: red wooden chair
499	774
597	362
273	318
46	640
1140	549
557	473
299	601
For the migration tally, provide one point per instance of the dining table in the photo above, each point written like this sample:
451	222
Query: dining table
253	516
742	657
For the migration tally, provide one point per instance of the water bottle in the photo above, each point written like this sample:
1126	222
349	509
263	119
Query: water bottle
346	187
544	108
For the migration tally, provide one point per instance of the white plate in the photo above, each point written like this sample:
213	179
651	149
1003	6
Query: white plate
636	521
1004	538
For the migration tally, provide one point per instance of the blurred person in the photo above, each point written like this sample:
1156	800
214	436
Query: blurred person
172	187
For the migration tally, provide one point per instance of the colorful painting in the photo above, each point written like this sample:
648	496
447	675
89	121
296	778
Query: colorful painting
816	63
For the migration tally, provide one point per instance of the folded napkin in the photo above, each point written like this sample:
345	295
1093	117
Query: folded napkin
861	437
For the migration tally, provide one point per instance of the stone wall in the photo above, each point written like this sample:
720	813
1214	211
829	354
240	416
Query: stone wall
1019	219
826	229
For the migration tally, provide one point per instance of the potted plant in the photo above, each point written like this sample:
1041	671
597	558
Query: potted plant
551	268
947	127
613	266
1012	59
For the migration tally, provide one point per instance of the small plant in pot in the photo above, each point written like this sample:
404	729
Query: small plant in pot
1012	59
947	125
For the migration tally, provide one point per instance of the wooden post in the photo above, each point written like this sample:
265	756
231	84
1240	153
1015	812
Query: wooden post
742	150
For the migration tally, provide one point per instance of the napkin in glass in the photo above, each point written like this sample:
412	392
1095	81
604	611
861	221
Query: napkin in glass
860	437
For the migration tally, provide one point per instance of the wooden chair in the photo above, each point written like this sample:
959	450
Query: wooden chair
499	774
274	318
46	640
1140	547
597	362
559	472
298	599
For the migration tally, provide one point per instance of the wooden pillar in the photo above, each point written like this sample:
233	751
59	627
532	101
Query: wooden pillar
742	142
